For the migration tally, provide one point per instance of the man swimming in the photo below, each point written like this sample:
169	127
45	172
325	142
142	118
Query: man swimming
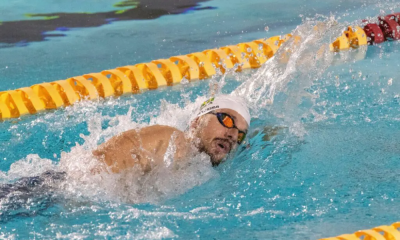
219	126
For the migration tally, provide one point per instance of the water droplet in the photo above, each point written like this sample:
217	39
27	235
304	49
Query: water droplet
184	81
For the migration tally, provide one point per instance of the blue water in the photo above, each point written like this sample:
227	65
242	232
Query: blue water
331	168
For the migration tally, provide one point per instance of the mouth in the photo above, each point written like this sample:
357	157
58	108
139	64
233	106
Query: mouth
223	146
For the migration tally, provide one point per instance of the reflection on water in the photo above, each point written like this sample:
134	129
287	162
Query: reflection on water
20	33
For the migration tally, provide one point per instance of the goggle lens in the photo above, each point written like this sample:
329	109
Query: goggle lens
228	121
241	137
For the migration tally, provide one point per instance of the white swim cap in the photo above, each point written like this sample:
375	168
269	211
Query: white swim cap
225	101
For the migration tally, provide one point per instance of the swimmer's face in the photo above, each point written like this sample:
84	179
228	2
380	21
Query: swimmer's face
215	139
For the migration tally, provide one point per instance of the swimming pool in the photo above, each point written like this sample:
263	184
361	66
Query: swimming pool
330	169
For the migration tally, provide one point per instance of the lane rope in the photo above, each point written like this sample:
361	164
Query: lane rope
384	232
167	72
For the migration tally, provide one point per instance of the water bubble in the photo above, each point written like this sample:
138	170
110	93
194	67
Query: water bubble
390	81
184	81
266	28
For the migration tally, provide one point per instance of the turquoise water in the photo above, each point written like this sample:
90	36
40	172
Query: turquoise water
331	168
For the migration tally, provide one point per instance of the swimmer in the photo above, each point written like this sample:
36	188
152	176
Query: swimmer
219	126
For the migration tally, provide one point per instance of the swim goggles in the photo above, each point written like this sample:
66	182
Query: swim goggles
227	121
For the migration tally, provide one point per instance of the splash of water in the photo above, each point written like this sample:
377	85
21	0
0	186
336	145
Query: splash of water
279	85
277	89
133	185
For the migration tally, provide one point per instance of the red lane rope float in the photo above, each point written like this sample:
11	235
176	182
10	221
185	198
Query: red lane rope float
167	72
378	233
374	33
391	29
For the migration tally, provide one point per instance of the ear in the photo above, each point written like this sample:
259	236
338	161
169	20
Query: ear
195	123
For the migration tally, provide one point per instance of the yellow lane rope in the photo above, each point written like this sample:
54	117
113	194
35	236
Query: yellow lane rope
378	233
144	76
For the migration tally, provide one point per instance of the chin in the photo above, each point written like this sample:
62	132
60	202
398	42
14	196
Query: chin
216	159
215	163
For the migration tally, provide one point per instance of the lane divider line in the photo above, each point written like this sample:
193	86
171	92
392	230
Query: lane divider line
166	72
384	232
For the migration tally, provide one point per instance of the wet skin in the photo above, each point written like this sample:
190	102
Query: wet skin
215	139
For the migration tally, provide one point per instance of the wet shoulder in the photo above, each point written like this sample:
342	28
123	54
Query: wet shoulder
161	133
157	138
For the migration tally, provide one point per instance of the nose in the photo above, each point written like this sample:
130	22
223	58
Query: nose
232	134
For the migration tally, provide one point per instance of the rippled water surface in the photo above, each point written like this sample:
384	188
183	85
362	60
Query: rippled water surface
322	157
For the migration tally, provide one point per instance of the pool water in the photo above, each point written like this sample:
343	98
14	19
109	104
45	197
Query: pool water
331	166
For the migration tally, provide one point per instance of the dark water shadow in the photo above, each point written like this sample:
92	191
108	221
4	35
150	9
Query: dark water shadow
21	33
29	196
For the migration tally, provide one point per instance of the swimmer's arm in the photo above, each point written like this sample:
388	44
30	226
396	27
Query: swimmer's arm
268	132
143	147
167	138
122	151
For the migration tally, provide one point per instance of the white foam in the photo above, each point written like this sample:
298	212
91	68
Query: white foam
132	185
31	165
